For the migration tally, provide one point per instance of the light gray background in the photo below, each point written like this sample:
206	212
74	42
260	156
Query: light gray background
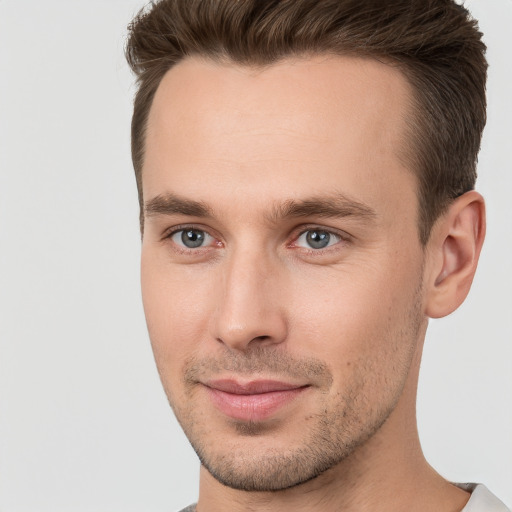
84	425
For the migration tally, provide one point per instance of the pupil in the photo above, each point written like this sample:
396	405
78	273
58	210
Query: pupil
192	238
318	239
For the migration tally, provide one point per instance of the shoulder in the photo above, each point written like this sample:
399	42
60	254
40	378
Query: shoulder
190	508
482	500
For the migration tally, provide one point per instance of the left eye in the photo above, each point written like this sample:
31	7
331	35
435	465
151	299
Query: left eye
191	238
317	239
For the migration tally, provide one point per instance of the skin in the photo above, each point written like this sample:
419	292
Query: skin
254	161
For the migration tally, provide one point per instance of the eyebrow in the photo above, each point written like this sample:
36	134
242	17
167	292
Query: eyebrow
335	206
170	204
332	206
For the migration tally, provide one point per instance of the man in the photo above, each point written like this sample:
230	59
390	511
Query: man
306	178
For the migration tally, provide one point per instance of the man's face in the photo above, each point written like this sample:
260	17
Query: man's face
281	267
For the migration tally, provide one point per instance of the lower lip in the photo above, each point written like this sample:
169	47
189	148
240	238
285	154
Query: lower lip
257	407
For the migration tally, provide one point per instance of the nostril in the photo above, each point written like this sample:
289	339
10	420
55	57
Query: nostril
261	338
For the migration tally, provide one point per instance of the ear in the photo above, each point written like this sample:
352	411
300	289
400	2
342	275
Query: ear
453	252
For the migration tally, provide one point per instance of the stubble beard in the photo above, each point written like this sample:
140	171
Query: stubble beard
326	445
330	436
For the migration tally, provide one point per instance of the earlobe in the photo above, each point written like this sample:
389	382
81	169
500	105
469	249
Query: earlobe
454	249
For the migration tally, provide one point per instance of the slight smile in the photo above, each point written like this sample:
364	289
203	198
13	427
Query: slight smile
252	401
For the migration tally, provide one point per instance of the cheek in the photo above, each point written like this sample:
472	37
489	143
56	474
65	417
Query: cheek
360	321
176	310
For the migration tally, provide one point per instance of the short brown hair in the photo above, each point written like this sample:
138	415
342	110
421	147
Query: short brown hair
435	43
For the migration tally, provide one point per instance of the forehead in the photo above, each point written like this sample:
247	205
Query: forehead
300	123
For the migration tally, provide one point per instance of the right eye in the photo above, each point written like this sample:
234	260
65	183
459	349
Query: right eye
191	238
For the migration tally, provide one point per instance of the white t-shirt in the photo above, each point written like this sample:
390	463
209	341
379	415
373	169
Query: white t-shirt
482	500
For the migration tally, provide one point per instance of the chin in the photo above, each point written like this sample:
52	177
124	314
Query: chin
254	459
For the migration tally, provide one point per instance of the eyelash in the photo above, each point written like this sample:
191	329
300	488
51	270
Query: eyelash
320	250
342	237
182	249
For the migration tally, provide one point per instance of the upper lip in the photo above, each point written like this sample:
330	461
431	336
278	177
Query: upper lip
253	387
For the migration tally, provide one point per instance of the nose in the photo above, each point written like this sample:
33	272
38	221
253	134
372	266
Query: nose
249	311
